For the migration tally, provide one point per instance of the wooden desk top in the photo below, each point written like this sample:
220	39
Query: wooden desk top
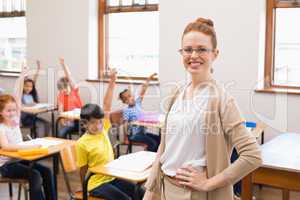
36	109
122	174
72	115
282	152
51	150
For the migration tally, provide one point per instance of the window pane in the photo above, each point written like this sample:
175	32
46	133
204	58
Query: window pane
12	43
126	2
153	1
133	43
113	2
287	47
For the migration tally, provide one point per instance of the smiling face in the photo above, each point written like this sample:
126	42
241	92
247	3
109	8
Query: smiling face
9	112
94	126
198	53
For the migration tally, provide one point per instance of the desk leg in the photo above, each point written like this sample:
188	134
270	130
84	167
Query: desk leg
53	124
285	194
247	187
55	172
34	134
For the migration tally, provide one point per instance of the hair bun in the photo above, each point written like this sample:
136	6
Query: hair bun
207	22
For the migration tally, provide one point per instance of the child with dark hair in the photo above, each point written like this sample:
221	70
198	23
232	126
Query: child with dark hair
94	149
30	98
68	99
133	112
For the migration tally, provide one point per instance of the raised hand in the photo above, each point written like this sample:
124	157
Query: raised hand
152	76
38	64
61	61
112	74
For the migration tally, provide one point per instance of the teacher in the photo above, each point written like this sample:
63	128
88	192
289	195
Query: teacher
203	125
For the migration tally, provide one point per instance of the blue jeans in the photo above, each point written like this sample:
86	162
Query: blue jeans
68	130
150	139
40	178
118	190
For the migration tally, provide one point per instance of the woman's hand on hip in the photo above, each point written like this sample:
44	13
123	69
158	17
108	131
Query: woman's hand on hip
193	178
148	195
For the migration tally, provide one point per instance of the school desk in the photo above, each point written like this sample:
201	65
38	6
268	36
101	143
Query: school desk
280	168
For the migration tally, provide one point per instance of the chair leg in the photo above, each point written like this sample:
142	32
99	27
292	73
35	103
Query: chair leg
19	191
129	148
26	192
10	190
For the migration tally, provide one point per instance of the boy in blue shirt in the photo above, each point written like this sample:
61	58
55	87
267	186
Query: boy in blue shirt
133	113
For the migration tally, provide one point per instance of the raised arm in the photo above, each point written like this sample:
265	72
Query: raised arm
19	88
67	72
146	84
107	102
38	68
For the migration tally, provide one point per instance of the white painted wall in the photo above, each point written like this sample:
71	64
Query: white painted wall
67	28
240	30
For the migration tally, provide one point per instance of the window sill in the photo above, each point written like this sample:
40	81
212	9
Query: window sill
9	74
278	90
122	81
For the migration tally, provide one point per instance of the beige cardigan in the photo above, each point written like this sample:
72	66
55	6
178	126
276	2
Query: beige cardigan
224	130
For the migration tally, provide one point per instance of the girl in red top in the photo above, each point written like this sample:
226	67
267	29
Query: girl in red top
68	99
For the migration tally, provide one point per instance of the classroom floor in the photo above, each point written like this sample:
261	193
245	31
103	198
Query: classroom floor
264	194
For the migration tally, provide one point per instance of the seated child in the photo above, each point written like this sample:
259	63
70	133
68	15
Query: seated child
40	177
30	98
132	113
94	149
68	99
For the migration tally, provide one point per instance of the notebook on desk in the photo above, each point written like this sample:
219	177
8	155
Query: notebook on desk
40	106
135	162
150	117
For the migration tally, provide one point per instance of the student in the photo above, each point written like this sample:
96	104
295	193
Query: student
94	149
133	112
30	98
40	178
68	99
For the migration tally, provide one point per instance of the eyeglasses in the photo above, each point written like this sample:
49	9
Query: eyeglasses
199	51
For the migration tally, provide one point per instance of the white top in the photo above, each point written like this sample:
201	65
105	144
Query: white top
185	138
14	136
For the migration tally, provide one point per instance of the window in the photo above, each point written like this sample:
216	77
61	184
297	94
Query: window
282	55
129	37
12	35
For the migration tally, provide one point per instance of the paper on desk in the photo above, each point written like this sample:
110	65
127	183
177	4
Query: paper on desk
45	143
136	162
40	106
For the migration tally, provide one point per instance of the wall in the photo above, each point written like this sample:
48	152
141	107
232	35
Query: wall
240	30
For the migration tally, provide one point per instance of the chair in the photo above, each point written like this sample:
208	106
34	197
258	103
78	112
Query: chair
23	184
257	130
68	159
116	119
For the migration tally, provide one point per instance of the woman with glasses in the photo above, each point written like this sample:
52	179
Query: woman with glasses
203	124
